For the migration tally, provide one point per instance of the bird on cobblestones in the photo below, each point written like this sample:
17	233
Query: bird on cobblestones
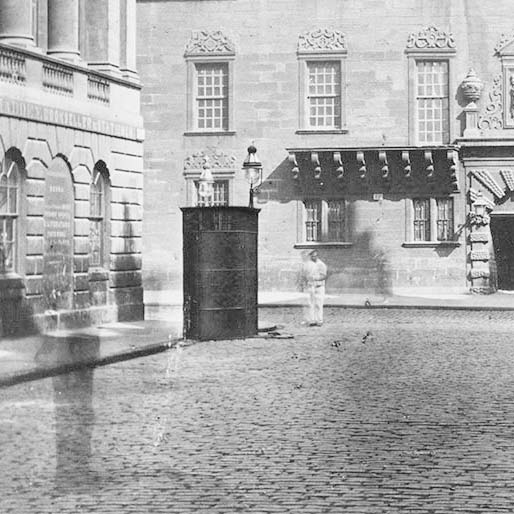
366	336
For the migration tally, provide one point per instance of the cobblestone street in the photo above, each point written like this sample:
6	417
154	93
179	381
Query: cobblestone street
378	411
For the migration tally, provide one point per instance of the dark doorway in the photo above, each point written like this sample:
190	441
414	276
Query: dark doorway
502	232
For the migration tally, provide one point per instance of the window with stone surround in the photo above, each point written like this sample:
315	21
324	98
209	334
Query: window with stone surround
209	58
432	219
9	213
321	59
431	82
98	191
324	221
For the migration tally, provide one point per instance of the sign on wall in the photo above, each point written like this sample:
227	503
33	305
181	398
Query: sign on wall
58	237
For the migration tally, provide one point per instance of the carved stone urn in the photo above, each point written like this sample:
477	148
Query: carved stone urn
472	86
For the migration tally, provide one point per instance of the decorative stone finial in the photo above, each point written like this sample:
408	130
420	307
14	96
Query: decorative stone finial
472	86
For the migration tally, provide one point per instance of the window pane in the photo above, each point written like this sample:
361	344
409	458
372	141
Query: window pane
421	219
444	219
97	221
432	101
95	242
324	94
3	196
336	218
212	96
313	220
7	242
219	197
9	187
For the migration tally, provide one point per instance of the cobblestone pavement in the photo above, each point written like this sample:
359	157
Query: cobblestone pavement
382	411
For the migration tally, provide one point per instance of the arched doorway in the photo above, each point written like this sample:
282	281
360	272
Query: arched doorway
502	234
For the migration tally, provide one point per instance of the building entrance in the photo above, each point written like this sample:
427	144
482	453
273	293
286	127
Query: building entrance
502	232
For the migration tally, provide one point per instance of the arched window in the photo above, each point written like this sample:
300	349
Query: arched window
9	191
97	216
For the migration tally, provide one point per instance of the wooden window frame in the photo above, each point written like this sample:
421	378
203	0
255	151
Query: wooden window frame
99	217
192	82
302	236
413	57
304	59
11	216
410	240
225	181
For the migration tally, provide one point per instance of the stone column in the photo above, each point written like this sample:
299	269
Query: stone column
16	22
128	40
63	29
103	35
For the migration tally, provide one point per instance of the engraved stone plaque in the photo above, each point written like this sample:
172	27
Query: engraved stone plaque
58	237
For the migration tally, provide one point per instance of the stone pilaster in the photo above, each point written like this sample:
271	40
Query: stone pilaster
128	40
16	23
471	120
63	29
480	254
103	25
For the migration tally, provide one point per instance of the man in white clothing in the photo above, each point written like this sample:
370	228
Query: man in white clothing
315	274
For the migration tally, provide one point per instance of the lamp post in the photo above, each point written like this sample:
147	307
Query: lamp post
206	185
253	171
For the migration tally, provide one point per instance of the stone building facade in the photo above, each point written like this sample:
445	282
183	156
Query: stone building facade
71	181
384	128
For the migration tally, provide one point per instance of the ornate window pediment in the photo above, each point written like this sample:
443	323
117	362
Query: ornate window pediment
505	46
216	160
322	41
209	43
431	38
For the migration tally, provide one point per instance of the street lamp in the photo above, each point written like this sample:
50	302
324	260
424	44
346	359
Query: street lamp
253	171
206	185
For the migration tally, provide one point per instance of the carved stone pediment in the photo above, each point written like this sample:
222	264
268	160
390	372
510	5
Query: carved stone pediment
322	41
205	42
499	111
492	117
431	38
216	160
505	46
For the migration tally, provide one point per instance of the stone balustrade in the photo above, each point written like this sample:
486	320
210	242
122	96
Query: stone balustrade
60	79
12	66
57	79
98	89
